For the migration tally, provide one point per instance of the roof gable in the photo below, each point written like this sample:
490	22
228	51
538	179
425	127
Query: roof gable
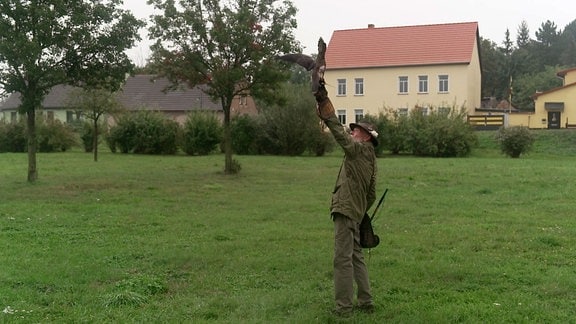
402	46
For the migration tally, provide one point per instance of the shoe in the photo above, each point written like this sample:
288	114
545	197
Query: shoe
342	312
368	309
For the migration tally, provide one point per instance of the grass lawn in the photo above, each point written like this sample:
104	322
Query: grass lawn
170	239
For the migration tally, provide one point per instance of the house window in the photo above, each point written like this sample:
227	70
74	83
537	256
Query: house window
443	83
341	87
423	84
14	116
403	112
243	100
359	86
424	111
69	116
403	84
341	116
50	115
358	115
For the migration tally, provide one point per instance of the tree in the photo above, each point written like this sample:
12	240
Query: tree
523	36
228	45
547	45
51	42
508	47
568	45
526	85
94	103
494	70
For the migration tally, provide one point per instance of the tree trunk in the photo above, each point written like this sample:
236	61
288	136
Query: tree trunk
95	140
228	166
31	131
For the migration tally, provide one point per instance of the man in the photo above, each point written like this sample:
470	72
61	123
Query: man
353	195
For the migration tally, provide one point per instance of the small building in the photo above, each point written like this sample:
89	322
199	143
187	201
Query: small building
556	108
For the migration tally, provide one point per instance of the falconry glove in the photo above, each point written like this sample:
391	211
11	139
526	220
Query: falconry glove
324	107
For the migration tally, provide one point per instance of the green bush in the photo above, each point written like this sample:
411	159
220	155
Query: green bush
245	132
321	142
515	140
54	136
293	127
440	133
122	136
87	134
144	132
202	133
13	137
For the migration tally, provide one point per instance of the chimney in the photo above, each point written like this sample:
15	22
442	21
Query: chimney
370	25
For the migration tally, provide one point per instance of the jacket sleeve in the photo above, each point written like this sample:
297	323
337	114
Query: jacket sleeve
342	137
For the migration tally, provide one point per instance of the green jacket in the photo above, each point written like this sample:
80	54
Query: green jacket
355	189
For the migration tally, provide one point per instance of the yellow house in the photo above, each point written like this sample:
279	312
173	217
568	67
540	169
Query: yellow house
556	108
399	68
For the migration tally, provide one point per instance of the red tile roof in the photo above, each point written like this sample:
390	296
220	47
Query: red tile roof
402	46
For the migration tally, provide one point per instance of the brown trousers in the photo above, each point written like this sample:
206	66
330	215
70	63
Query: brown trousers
349	266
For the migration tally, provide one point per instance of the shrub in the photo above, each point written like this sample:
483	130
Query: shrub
440	134
245	133
515	140
87	134
202	133
13	137
123	135
54	136
291	128
321	142
144	132
395	133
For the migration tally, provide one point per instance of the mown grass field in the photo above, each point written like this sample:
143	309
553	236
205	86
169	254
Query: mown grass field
170	239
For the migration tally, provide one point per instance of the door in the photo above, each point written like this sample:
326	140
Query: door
554	119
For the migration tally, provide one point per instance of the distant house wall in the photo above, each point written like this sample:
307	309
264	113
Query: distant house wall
381	88
556	108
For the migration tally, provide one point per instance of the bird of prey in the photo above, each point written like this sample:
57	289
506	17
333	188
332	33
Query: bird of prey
317	66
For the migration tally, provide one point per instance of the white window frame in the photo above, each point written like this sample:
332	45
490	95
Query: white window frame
359	86
403	84
422	84
341	116
443	83
341	87
402	111
358	114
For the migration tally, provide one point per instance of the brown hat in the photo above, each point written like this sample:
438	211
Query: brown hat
368	128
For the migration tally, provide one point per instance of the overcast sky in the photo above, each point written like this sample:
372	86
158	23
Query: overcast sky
319	18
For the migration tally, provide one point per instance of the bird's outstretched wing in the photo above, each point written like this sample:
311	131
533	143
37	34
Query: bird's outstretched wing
319	67
303	60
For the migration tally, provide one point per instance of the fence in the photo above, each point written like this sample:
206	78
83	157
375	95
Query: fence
486	122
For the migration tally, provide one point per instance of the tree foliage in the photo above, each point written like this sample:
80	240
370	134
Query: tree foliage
525	66
52	42
227	45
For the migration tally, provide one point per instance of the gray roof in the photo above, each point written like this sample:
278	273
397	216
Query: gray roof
139	92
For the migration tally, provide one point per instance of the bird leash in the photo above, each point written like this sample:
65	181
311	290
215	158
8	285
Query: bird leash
374	215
